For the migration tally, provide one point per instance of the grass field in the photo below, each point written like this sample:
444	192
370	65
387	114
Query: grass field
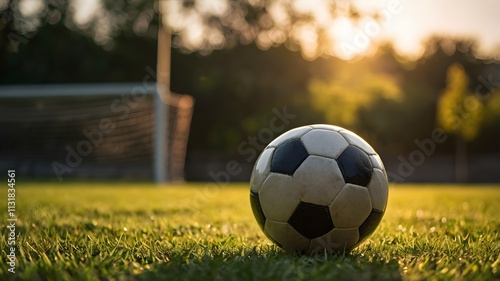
198	232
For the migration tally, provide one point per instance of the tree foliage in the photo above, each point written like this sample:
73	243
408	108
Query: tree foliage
460	112
388	100
299	25
347	91
200	25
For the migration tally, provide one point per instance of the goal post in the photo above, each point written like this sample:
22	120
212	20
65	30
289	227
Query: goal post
163	89
101	130
135	121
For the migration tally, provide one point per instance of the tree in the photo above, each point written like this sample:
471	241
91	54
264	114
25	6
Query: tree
460	113
348	90
199	25
300	25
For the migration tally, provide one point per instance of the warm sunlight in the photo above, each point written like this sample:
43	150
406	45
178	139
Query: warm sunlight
30	7
323	27
415	21
407	25
342	30
202	140
85	10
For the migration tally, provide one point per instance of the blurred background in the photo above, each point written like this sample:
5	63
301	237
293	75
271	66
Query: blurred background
419	80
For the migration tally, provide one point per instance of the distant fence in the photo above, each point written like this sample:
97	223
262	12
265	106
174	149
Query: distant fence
437	168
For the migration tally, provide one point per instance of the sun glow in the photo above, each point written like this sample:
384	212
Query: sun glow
343	32
316	27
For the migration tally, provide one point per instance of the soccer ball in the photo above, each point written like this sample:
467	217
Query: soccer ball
318	188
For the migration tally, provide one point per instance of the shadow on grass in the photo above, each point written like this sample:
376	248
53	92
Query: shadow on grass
272	264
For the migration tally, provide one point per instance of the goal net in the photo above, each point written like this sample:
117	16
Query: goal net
94	131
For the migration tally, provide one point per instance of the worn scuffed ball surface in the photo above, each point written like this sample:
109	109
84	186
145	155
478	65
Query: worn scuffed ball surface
318	188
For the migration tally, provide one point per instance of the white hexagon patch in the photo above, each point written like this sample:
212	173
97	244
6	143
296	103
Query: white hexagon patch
351	207
261	169
324	143
338	240
279	196
321	180
286	235
294	133
378	190
327	127
356	140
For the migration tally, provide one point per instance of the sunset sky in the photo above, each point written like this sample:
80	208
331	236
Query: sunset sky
407	23
419	19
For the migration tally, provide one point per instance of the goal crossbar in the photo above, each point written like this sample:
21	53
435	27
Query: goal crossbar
72	90
161	153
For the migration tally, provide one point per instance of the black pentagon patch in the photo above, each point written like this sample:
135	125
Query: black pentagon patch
257	209
355	166
288	156
311	220
370	224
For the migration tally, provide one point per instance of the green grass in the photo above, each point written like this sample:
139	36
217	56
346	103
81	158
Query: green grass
197	232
